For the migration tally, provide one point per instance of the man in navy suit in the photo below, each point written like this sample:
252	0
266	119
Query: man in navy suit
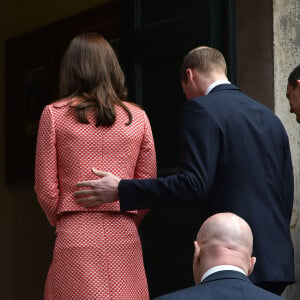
293	92
222	262
236	158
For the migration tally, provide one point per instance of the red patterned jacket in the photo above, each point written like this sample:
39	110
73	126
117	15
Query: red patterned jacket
67	150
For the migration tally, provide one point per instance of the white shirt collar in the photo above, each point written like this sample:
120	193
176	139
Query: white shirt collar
222	268
215	83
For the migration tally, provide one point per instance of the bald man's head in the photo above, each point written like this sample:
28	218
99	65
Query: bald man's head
226	229
223	239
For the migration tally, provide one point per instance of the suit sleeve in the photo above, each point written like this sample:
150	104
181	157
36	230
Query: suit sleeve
46	180
201	143
288	181
146	163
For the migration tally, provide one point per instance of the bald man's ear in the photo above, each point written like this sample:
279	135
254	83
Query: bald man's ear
252	263
196	263
197	250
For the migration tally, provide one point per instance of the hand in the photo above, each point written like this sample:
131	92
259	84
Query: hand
99	191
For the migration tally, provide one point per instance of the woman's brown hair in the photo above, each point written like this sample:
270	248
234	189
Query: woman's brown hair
90	71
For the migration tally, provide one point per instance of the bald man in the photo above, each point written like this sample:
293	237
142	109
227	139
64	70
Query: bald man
222	262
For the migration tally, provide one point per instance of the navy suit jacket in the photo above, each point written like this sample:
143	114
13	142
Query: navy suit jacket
223	285
236	158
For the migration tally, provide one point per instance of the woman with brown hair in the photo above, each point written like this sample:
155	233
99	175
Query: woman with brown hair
97	252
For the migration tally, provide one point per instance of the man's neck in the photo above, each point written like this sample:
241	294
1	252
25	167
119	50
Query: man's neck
216	83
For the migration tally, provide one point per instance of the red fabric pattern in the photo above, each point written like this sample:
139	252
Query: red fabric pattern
66	152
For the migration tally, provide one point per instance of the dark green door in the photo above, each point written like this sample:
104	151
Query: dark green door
155	35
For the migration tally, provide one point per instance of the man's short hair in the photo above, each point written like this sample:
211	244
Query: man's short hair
203	59
294	76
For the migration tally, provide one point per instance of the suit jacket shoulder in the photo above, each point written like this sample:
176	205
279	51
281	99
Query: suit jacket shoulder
225	285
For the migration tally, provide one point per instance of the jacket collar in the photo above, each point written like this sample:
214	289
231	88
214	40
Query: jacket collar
223	87
225	275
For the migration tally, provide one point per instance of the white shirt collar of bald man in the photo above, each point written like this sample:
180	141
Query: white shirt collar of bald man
215	83
222	268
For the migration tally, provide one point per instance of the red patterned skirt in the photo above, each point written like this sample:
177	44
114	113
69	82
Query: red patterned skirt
97	255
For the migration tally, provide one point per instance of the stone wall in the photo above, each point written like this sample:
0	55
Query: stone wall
286	24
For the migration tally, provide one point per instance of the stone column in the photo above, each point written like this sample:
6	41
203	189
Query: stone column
286	42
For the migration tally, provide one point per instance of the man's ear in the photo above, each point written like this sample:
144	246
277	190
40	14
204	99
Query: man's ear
196	263
252	263
189	75
298	83
197	250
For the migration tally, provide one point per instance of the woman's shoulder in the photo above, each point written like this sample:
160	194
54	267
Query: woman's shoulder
133	107
56	108
57	104
60	103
